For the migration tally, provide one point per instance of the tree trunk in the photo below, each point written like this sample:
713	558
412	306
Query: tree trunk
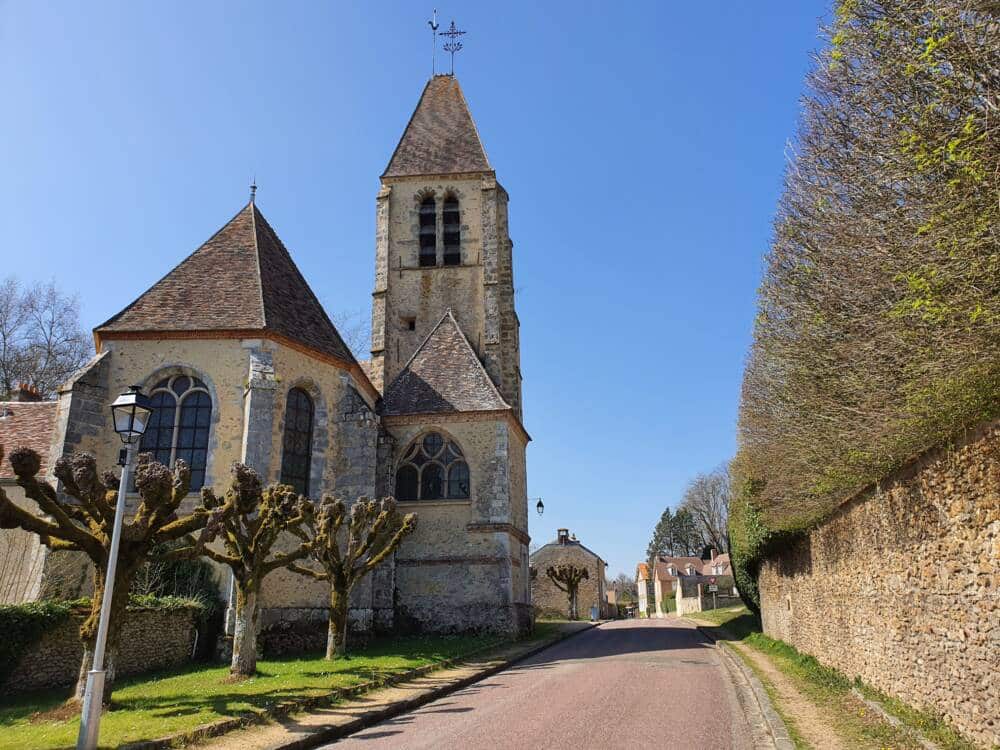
244	662
336	637
88	633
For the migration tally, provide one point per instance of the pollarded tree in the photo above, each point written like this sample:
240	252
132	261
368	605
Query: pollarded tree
82	519
374	529
249	533
567	578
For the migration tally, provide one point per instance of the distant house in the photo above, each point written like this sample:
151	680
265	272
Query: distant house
547	598
669	571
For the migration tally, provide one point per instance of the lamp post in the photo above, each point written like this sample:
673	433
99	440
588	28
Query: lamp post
130	413
540	506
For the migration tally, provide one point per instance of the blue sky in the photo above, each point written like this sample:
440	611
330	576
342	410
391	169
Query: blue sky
642	146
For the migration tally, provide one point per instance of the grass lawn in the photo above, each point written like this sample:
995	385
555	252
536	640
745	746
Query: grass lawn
731	623
163	703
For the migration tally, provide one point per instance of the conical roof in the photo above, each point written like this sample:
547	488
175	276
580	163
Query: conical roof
443	375
441	137
241	279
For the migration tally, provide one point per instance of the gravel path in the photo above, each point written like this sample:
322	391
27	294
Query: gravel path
626	684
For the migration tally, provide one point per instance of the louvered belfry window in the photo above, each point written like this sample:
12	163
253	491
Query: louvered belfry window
178	426
433	468
428	232
296	454
452	232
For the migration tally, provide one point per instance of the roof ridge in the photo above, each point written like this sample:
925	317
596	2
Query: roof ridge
409	122
475	128
475	356
298	272
256	257
176	266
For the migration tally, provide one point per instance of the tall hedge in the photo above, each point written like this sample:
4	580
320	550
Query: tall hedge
878	326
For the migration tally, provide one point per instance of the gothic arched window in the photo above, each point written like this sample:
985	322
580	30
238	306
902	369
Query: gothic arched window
428	232
296	451
433	468
178	426
452	232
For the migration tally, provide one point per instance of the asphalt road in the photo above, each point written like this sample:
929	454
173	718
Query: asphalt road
626	684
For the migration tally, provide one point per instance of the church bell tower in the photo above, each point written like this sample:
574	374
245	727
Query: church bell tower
442	243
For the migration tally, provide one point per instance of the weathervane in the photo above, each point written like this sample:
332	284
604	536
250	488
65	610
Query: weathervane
433	23
453	45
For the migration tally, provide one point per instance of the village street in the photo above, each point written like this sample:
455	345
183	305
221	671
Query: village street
629	683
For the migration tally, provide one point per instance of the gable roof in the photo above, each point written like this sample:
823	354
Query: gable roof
443	375
441	137
27	424
241	279
569	544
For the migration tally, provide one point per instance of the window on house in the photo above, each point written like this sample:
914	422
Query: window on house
428	232
296	450
178	426
452	232
433	468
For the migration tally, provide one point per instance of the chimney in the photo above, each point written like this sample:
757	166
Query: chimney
563	536
25	392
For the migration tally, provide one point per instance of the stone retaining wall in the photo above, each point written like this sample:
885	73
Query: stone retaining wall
153	638
901	586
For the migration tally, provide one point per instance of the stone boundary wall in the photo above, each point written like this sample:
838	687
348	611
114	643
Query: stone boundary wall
901	586
152	638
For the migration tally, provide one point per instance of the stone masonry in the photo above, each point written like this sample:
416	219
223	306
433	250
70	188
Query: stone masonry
901	586
547	598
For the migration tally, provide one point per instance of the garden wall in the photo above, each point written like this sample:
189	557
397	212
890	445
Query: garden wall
153	639
901	586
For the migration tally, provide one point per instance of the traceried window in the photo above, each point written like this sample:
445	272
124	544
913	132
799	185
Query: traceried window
452	232
428	232
433	468
296	451
178	426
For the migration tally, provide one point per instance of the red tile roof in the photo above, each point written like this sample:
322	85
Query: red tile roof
241	279
26	424
443	375
441	137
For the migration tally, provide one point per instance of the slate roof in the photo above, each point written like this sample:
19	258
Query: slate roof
26	424
242	278
443	375
441	137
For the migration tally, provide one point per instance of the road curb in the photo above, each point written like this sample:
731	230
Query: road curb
760	701
401	707
283	710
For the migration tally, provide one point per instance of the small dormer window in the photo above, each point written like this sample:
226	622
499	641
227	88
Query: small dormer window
428	232
452	232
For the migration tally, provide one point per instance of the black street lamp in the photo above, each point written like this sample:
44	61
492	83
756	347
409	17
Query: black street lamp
540	506
130	413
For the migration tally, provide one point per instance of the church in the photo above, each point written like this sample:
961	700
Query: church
244	364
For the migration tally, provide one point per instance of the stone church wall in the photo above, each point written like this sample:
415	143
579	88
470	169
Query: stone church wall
457	570
901	586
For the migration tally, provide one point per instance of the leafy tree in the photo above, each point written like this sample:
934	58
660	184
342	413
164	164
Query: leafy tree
41	340
567	577
684	534
662	541
81	519
374	530
250	530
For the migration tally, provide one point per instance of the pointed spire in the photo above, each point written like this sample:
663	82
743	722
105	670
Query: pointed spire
441	137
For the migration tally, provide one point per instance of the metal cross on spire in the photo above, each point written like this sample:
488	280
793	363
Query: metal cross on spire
452	45
433	23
